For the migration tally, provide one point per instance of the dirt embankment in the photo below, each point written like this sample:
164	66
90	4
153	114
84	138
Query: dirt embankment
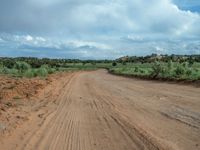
99	111
20	88
20	96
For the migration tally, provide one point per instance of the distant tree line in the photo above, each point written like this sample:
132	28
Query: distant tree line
37	62
161	58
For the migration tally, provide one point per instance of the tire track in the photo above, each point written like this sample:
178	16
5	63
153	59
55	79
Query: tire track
96	111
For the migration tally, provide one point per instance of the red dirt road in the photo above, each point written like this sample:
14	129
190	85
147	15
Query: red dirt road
98	111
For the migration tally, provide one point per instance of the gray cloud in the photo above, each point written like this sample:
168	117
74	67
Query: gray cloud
91	28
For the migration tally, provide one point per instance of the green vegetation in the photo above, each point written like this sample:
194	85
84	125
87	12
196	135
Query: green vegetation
173	70
33	67
173	67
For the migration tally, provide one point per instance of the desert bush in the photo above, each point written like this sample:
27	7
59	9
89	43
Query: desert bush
141	71
1	68
195	75
180	70
170	65
124	63
29	73
45	66
42	72
157	69
165	71
5	70
188	72
136	69
1	65
13	71
22	66
51	70
114	64
185	64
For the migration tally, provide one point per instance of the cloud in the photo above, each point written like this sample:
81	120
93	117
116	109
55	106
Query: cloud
1	40
84	28
88	44
29	38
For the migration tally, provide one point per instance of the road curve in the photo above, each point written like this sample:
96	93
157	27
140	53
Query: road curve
99	111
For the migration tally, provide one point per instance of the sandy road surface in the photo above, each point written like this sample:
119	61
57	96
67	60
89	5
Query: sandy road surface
99	111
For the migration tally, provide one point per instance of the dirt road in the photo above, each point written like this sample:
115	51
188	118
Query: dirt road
99	111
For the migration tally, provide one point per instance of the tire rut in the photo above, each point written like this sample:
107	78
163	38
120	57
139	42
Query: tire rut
96	111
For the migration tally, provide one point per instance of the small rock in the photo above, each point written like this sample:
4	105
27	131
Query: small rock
40	115
18	117
9	104
3	109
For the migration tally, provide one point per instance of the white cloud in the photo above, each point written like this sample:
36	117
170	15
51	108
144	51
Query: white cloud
122	17
159	50
115	27
1	40
40	39
28	38
80	43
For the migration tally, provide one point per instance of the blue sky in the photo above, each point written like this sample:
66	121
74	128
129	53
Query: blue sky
93	29
191	5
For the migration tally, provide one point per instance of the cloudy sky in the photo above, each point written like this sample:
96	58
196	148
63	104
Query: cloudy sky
98	29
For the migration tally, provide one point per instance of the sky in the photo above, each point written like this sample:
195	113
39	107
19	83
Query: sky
98	29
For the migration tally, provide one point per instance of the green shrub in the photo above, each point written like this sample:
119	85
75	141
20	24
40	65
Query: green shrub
165	71
45	66
1	70
157	69
136	69
170	64
42	72
51	70
22	66
1	65
141	71
124	63
13	71
114	64
29	73
185	64
188	72
5	70
195	75
180	70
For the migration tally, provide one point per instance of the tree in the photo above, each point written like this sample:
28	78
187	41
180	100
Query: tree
114	64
